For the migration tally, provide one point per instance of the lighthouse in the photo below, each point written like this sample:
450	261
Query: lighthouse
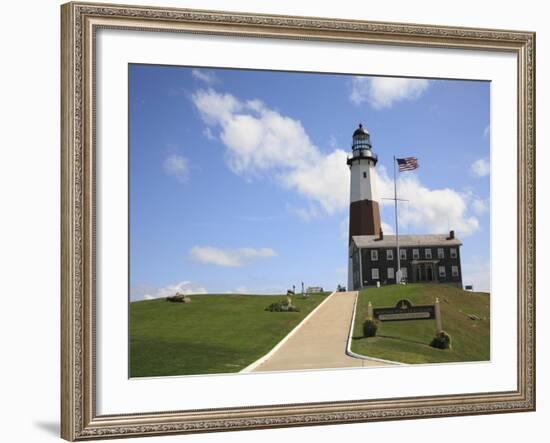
364	210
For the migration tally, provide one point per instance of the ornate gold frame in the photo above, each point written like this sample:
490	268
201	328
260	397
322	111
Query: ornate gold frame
79	420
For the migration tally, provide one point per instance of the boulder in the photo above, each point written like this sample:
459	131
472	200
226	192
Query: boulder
179	298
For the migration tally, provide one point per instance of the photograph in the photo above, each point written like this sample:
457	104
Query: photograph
287	221
291	219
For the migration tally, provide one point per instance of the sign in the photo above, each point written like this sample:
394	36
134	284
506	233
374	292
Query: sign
404	310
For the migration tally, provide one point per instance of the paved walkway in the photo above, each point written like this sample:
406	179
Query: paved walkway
321	341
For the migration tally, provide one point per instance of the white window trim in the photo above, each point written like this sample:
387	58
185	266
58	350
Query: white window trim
444	273
392	274
402	252
428	253
454	271
416	254
453	253
440	253
389	254
373	253
373	271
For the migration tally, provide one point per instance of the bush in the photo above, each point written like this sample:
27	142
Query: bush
442	340
281	306
370	327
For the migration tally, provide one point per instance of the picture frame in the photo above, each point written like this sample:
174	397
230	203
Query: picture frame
80	419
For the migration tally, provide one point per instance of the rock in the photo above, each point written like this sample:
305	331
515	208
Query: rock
179	298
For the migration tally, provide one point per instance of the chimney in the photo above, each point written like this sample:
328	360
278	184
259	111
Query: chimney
451	235
381	234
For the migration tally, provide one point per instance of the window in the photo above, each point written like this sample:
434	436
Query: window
440	253
374	255
454	270
416	254
404	272
453	253
428	253
375	273
364	175
403	254
442	271
389	254
391	274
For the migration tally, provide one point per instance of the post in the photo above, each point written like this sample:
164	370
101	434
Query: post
437	310
398	272
370	312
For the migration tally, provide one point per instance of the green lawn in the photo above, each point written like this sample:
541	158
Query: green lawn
212	334
408	341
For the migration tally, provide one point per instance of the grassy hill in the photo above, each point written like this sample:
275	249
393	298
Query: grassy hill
212	334
408	341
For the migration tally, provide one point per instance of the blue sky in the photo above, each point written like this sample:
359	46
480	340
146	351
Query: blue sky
238	181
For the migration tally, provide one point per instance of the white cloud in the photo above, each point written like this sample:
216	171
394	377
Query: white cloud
387	229
229	257
428	210
383	92
209	134
185	287
262	142
480	206
325	180
215	108
481	167
176	166
207	77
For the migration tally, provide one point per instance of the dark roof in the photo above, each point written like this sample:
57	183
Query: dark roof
360	131
374	241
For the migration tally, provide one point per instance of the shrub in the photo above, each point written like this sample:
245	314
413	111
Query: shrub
370	326
282	306
442	340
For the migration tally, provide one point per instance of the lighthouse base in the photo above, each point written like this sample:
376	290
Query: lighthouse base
364	218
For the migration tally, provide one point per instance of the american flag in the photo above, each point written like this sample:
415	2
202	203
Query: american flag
407	164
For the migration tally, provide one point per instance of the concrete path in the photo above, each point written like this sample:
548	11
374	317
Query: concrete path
321	341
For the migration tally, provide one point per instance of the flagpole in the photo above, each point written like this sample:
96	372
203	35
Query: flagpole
398	272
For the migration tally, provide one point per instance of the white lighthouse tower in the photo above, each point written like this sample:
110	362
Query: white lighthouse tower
364	210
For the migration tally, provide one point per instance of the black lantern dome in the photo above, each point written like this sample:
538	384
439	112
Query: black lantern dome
361	145
360	131
361	138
